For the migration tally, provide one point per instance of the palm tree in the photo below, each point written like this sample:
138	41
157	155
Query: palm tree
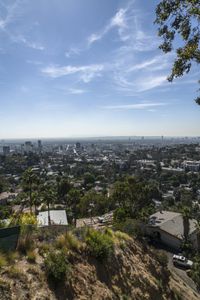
198	235
28	180
49	198
186	215
74	197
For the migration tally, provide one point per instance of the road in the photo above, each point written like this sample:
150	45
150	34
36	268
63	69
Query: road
181	273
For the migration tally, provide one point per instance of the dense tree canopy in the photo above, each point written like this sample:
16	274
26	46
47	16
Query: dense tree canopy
179	26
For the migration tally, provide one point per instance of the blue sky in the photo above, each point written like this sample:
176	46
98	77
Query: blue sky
89	68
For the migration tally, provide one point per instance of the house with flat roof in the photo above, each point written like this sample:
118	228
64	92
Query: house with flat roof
57	217
167	227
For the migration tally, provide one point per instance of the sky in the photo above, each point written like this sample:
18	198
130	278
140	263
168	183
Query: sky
74	68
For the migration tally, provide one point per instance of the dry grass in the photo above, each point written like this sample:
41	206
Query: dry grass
68	241
31	256
12	257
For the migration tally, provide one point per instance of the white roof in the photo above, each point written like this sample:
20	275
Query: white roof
57	217
171	222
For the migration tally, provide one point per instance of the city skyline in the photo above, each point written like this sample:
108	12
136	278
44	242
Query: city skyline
92	69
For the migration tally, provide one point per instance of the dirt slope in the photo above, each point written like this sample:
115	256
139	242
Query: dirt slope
131	273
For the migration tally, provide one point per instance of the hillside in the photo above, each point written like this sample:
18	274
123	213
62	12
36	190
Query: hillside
131	272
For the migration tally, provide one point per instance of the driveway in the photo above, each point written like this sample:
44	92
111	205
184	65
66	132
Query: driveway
180	272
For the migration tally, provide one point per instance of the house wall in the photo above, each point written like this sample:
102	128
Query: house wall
170	240
165	238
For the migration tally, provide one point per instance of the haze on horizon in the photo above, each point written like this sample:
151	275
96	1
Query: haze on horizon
89	69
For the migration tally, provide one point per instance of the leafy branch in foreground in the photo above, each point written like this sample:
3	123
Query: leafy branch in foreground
179	24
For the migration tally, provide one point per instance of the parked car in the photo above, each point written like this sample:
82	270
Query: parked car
182	261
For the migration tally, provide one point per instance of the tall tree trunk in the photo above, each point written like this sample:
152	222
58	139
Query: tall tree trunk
186	227
49	219
30	197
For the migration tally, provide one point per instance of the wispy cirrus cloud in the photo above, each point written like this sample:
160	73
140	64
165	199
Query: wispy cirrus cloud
75	91
147	105
72	51
117	21
28	43
85	73
11	12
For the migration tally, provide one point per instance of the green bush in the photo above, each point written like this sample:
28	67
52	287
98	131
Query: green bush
130	226
31	256
195	271
67	240
162	258
56	265
99	244
3	260
120	215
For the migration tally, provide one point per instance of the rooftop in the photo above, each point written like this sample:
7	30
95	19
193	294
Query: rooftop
171	222
57	217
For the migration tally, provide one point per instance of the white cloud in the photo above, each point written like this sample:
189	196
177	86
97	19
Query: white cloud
153	63
118	21
150	82
135	106
28	43
75	91
86	73
11	13
72	51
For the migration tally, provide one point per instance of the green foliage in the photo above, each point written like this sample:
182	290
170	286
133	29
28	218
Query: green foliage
63	187
30	183
56	265
180	19
92	204
3	260
88	178
27	219
162	258
99	244
195	271
12	256
25	244
31	256
131	227
132	196
69	241
120	215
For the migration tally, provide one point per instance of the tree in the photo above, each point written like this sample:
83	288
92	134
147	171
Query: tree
74	198
49	197
186	214
28	181
180	19
198	235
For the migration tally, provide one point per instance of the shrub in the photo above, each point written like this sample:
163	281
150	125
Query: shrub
25	244
3	260
72	242
12	256
162	258
69	241
44	248
122	236
120	215
31	256
100	244
56	265
60	241
195	271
